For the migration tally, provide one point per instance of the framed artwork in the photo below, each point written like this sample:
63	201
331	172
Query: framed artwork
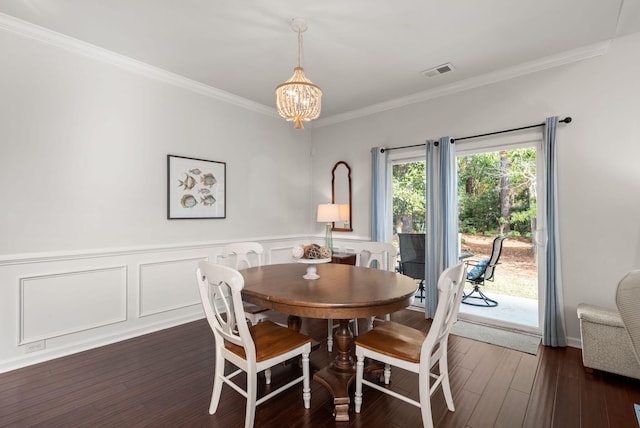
196	188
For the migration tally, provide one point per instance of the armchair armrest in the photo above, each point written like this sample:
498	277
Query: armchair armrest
599	315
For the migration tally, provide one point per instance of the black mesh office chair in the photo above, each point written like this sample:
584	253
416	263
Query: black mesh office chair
412	257
479	272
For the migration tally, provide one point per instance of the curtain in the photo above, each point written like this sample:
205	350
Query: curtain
553	333
441	217
381	199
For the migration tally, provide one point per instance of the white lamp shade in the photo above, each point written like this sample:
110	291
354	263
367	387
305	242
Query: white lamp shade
328	213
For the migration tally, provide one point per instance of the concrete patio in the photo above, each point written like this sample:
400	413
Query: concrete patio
517	312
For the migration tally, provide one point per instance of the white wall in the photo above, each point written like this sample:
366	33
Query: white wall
87	256
84	147
599	179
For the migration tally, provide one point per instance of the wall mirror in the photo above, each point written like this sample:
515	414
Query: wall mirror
341	195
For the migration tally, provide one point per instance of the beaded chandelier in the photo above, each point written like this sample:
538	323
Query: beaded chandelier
298	99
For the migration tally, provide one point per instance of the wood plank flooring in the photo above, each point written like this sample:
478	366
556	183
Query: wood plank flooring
164	379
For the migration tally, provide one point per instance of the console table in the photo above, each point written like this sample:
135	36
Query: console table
343	258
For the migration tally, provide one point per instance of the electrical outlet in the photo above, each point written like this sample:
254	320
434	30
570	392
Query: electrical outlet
34	346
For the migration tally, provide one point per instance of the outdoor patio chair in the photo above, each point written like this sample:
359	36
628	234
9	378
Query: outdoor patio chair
479	273
412	257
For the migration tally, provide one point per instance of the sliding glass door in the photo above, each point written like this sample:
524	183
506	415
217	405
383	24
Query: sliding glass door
499	186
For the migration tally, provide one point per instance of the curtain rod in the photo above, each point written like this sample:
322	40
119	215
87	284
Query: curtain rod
453	140
565	120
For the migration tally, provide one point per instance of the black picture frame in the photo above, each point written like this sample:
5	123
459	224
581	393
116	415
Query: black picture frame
196	188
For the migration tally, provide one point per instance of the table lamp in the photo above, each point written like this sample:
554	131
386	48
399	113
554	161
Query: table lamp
328	213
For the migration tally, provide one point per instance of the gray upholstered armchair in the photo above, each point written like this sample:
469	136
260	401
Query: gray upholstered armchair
611	339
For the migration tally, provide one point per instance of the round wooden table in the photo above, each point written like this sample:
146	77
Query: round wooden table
342	292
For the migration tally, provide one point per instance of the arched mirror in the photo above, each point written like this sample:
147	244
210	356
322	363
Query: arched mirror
341	195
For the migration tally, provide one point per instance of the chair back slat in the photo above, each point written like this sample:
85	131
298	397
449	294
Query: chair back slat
241	255
495	256
380	255
220	292
412	247
412	254
450	286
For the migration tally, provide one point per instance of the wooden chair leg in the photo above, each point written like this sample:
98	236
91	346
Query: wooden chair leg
359	373
425	400
217	384
252	387
306	387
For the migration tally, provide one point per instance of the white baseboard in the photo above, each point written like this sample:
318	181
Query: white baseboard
63	351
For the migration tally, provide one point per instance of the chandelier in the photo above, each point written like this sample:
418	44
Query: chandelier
298	99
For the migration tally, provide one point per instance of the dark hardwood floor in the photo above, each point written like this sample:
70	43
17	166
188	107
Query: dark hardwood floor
164	379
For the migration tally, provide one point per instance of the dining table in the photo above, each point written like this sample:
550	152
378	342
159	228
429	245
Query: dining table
341	292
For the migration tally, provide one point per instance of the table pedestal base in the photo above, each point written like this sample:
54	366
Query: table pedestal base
338	383
337	378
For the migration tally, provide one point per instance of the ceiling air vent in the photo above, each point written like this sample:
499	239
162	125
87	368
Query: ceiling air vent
435	71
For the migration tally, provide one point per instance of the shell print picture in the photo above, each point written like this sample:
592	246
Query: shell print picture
189	182
196	188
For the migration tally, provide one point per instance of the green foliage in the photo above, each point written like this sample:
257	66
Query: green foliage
521	220
409	186
468	229
479	191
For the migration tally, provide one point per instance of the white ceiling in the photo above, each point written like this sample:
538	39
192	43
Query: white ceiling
362	53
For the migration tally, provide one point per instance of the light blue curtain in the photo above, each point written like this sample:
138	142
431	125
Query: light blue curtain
441	217
381	201
553	331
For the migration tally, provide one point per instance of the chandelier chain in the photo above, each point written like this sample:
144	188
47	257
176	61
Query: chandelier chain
299	46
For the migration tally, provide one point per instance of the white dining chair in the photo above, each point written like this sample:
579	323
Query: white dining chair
379	255
251	349
412	350
241	255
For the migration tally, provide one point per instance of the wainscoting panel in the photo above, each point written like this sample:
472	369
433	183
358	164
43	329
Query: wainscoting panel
55	304
278	255
168	285
64	303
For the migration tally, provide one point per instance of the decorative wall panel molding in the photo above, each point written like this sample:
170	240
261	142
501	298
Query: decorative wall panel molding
69	302
280	255
78	300
168	285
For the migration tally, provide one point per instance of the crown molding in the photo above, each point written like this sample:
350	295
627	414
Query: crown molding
545	63
35	32
27	29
